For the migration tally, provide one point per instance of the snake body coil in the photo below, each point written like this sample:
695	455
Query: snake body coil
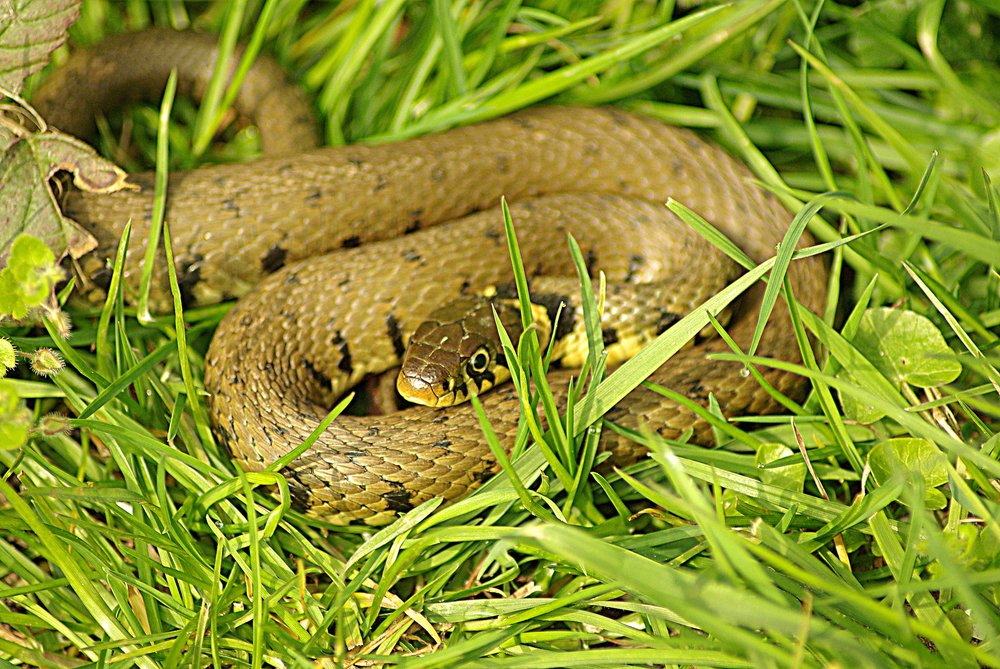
311	325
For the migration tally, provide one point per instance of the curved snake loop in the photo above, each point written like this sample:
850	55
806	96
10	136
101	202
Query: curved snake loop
297	226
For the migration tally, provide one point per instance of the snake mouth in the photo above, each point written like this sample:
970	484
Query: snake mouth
414	388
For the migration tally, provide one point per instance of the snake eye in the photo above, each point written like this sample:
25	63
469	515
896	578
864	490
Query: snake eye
479	361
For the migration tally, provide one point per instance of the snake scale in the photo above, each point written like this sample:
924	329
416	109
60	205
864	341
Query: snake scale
297	226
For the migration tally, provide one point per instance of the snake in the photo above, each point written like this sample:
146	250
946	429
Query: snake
335	255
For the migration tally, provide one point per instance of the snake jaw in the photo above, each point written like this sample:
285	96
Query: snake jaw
417	388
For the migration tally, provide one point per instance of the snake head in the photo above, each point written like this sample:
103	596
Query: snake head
457	351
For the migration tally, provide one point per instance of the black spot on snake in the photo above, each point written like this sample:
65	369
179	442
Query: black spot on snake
487	376
374	430
399	499
222	436
274	259
315	195
506	291
590	261
318	376
229	204
411	256
610	336
299	489
483	475
343	283
700	338
634	263
395	335
102	278
665	320
619	118
551	302
440	420
413	226
356	162
350	242
380	182
189	277
442	443
345	364
292	279
696	391
614	413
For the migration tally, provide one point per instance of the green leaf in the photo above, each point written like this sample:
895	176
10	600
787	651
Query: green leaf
8	356
789	477
29	31
29	277
913	455
906	347
15	419
27	204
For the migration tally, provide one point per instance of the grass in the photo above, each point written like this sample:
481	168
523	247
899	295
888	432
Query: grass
129	538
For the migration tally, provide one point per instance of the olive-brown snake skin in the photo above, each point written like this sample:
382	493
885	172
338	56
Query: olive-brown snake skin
308	324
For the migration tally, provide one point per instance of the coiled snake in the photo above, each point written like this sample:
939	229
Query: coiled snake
316	320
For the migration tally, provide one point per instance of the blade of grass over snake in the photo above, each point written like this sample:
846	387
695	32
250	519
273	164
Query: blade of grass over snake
501	456
641	365
529	353
785	251
711	233
294	453
766	386
592	319
159	201
104	355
